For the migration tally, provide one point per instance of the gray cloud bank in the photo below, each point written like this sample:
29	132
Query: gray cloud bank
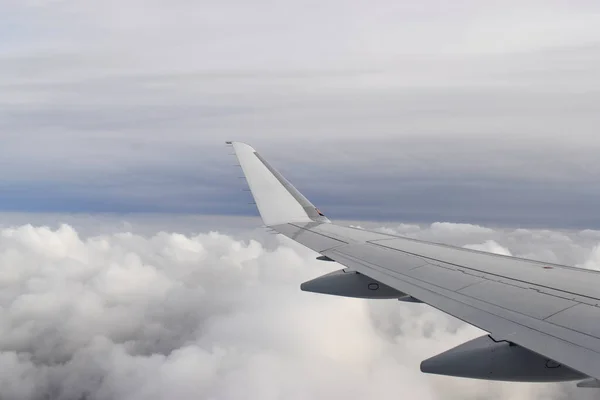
113	308
466	111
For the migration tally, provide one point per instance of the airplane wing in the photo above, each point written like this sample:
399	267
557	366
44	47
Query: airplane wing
543	319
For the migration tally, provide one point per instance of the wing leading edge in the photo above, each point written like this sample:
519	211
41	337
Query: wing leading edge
542	318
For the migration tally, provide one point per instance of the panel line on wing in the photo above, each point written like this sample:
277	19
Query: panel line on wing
579	297
447	282
552	315
311	239
335	254
464	250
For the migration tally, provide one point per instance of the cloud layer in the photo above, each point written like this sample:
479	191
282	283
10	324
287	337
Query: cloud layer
160	315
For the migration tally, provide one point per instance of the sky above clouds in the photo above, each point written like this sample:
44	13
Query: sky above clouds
162	307
464	111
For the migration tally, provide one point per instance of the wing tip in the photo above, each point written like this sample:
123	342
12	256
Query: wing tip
240	146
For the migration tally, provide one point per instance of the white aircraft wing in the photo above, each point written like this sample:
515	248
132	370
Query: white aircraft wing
543	319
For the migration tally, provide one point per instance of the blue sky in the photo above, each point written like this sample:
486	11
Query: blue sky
464	112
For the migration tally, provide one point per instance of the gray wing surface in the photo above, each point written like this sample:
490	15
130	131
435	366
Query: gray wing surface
550	311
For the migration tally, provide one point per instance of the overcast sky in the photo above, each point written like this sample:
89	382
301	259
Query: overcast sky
394	110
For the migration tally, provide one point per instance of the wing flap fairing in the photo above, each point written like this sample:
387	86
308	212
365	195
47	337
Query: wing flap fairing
348	283
486	358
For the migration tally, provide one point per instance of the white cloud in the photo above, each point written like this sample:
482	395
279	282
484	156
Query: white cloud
157	315
444	228
593	262
490	246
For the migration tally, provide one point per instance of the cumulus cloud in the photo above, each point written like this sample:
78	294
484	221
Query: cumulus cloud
490	246
141	313
593	262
